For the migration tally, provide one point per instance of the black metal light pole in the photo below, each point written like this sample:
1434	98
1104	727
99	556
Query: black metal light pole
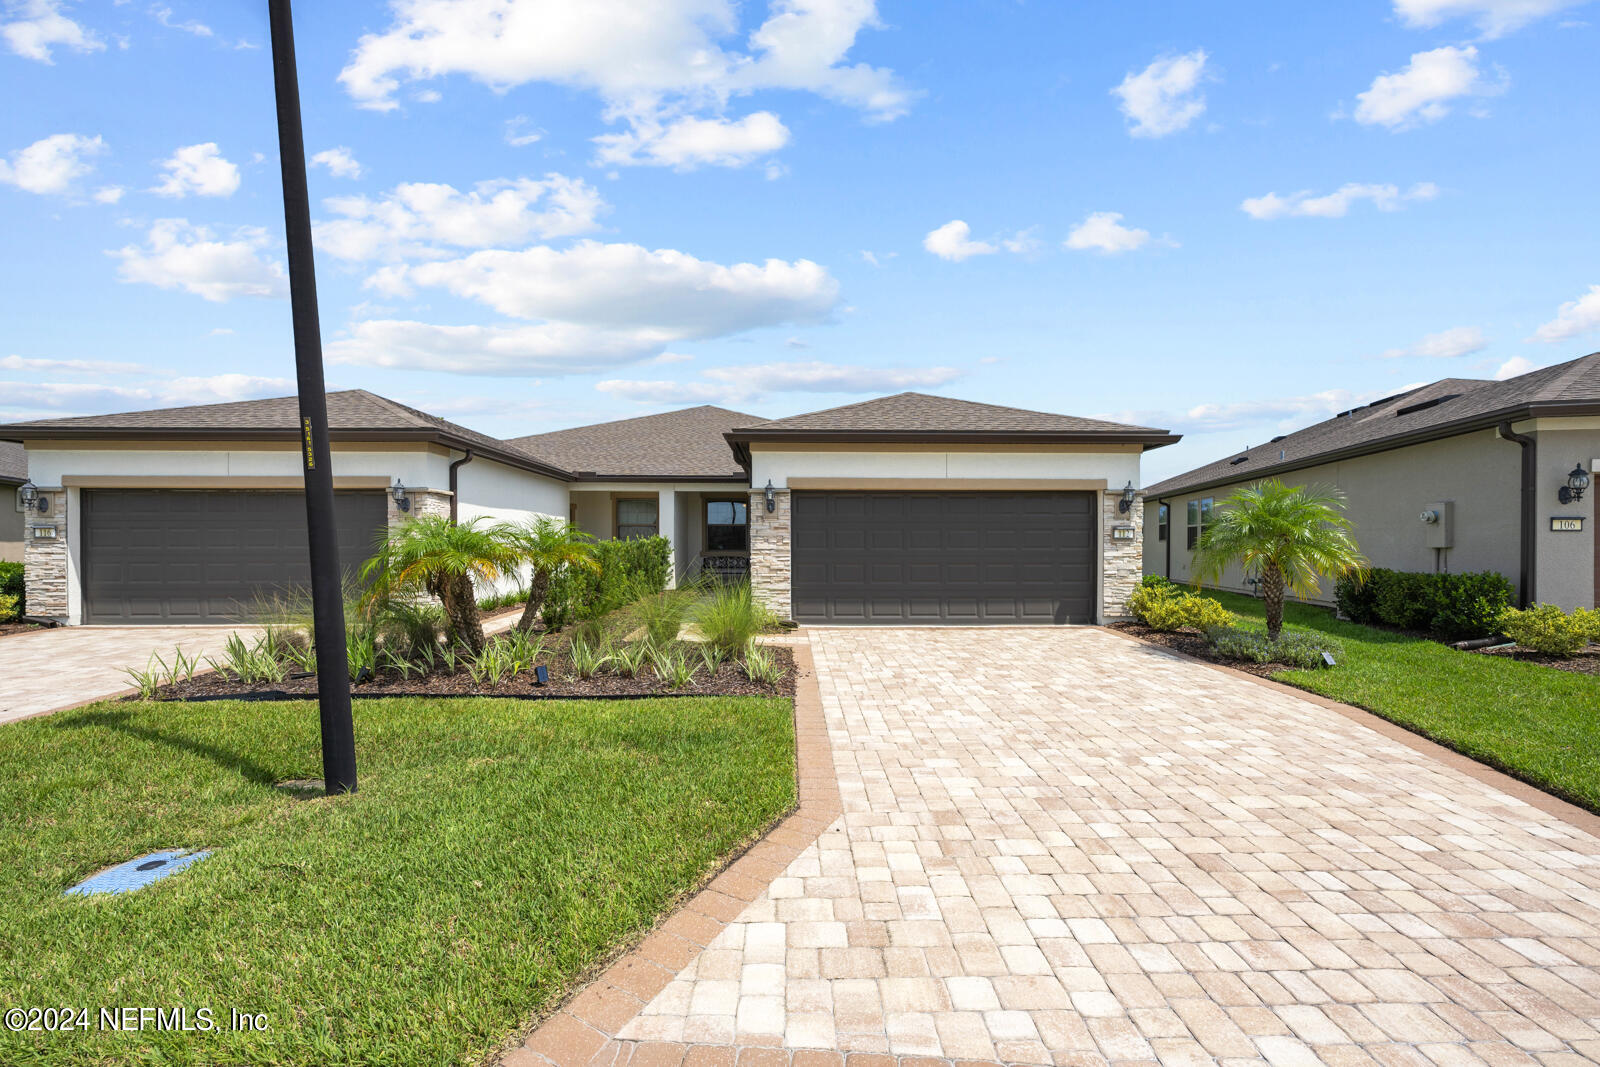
327	596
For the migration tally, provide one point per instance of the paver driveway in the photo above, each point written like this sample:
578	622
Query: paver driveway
49	669
1062	846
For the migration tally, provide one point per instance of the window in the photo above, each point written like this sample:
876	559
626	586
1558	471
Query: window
727	526
636	517
1199	516
1163	520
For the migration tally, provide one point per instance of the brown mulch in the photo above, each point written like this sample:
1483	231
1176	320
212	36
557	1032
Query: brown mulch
1585	662
7	629
729	680
1193	643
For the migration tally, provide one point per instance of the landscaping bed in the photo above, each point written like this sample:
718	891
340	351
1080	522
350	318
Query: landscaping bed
729	679
1585	662
9	629
1194	643
497	852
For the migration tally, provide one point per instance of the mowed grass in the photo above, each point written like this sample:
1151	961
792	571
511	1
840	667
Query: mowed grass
496	851
1536	723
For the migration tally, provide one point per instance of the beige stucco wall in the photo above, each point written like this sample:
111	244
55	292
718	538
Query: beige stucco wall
1387	492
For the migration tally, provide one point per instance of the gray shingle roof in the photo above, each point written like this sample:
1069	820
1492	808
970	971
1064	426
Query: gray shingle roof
13	463
1440	409
672	445
352	411
914	413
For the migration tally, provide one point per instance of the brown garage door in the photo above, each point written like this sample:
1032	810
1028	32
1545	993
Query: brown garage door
193	556
970	557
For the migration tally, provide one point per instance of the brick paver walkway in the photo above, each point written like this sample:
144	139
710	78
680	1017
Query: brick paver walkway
1060	846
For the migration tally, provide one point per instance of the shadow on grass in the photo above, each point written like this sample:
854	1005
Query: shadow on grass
122	722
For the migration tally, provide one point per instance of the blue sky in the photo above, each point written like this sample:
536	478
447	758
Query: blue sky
1225	219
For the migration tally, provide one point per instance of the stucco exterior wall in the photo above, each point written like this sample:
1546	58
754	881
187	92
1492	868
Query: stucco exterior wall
1116	468
1387	492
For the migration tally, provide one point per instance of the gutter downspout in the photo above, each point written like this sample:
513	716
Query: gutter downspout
1530	486
1167	574
454	488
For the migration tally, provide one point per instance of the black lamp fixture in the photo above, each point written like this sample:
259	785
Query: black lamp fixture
1125	505
771	496
32	499
1577	482
398	491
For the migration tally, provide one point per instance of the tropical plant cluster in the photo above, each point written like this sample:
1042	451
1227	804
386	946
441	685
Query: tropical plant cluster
621	570
1293	648
1546	628
13	598
1165	606
1452	606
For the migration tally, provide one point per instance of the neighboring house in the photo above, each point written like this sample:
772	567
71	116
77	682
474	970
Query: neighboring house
1460	475
907	509
13	472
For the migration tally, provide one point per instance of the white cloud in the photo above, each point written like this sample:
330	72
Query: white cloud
732	385
1103	232
518	134
1573	318
36	26
1512	367
163	14
1493	17
198	169
419	218
1337	204
340	162
178	255
52	164
545	349
108	194
70	366
953	241
83	397
1163	98
1297	410
1423	91
651	64
1446	344
687	143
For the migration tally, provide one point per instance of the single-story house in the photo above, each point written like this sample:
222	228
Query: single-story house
1460	475
13	473
906	509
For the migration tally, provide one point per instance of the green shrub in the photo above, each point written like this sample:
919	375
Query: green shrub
1454	606
662	614
731	616
1546	628
1166	607
1154	581
12	584
1293	648
10	608
627	571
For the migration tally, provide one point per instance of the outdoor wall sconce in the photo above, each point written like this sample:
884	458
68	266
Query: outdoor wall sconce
771	495
32	499
401	500
1577	482
1125	505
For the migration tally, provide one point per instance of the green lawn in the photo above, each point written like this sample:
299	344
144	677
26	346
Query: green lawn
496	851
1535	723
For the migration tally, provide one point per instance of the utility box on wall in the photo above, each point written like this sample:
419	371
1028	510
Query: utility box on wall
1439	520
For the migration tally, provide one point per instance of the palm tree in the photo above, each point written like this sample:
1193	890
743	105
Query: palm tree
547	545
1286	536
441	558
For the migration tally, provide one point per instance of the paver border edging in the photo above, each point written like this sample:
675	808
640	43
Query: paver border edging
1531	795
584	1029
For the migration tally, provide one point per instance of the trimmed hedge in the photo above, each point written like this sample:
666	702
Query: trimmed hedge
628	571
1454	606
11	586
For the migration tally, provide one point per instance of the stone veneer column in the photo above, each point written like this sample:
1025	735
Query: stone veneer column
44	563
1122	561
423	502
769	551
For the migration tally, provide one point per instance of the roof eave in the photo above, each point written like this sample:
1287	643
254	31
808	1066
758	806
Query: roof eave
1148	438
1544	409
598	476
22	433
